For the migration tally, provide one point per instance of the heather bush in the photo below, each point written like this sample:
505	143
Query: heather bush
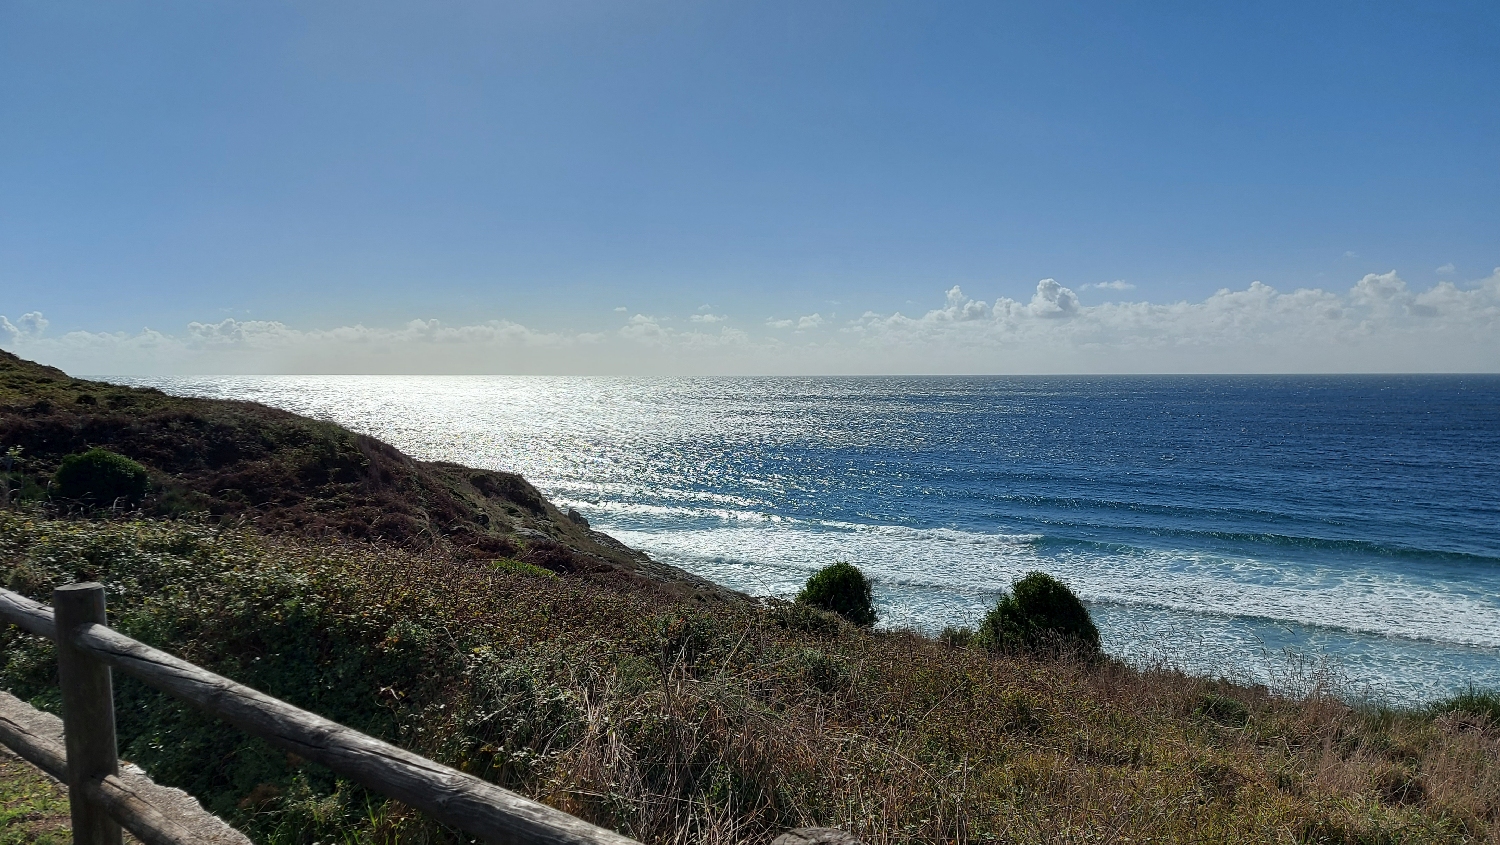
843	589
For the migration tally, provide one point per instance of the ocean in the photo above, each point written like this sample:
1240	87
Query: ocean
1287	530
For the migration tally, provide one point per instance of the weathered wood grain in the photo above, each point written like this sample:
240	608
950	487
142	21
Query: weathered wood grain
448	795
28	615
36	737
157	815
88	711
136	813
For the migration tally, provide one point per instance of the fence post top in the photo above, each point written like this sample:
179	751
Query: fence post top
77	604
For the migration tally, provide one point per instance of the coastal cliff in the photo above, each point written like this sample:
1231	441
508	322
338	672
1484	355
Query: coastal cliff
247	464
458	613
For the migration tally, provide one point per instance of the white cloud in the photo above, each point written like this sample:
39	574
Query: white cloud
960	307
708	318
643	329
1052	300
1379	291
28	326
1447	269
1478	306
648	332
1377	324
622	309
1117	284
261	333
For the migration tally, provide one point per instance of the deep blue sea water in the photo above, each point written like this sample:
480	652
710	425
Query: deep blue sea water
1258	527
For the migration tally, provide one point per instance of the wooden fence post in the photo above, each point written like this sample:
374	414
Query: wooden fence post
88	707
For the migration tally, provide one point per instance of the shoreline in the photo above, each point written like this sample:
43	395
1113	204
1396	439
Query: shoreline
459	613
485	425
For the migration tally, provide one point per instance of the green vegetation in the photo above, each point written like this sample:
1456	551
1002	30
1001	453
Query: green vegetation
521	567
1039	612
842	589
957	636
16	485
243	462
575	672
238	460
671	719
33	807
100	478
1474	701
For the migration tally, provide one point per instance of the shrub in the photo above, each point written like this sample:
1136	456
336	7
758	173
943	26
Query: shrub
957	636
16	485
1222	709
100	477
805	619
521	567
843	589
1038	612
824	672
686	637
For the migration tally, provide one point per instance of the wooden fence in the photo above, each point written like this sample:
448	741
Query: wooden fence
101	800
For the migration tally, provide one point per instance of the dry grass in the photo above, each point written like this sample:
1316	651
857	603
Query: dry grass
721	724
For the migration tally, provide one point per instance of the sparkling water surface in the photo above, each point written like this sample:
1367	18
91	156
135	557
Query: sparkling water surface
1217	523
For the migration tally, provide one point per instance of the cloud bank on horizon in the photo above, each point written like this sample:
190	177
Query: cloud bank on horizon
1378	325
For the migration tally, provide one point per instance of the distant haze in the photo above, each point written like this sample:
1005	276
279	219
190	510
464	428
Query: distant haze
777	187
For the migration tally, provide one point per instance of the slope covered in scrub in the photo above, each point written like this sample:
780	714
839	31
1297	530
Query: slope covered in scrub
245	462
619	691
677	721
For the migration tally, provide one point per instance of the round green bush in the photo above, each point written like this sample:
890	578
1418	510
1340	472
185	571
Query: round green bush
1039	612
843	589
100	477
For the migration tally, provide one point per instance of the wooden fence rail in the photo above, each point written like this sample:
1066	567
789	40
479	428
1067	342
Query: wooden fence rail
156	814
87	648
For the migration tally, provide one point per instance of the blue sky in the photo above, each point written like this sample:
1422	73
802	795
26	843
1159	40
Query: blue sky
664	187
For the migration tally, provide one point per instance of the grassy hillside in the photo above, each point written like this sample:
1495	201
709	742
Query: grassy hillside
245	463
674	713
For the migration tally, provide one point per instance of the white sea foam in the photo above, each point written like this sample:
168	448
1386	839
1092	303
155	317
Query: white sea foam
966	571
1198	617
